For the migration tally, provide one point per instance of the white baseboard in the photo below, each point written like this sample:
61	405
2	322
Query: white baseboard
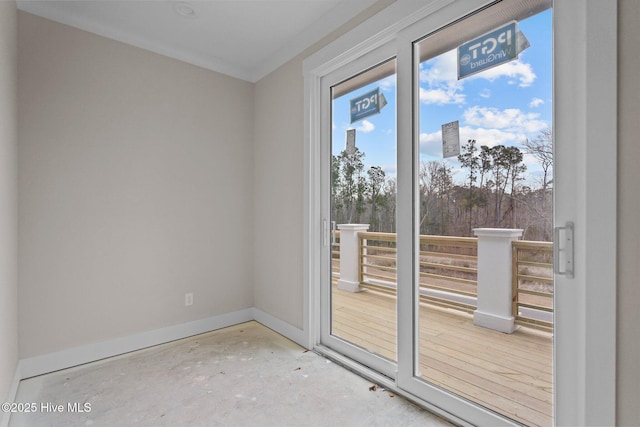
69	358
283	328
11	397
64	359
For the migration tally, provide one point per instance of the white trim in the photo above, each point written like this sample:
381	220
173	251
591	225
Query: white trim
585	126
51	362
49	11
406	216
386	383
11	397
68	358
324	26
601	205
283	328
311	210
376	31
88	353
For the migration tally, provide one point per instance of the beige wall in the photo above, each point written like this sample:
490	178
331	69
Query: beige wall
8	198
278	199
135	187
628	353
278	183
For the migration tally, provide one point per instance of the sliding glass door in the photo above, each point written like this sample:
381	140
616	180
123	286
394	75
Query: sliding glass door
436	210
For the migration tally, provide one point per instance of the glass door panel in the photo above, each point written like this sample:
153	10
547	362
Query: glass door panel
484	309
362	218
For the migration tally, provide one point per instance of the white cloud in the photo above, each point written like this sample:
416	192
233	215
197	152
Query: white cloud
511	119
441	70
441	96
485	93
365	126
536	102
440	84
530	160
388	83
431	143
516	70
390	170
441	78
489	137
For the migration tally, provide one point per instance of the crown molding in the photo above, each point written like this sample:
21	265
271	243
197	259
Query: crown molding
322	27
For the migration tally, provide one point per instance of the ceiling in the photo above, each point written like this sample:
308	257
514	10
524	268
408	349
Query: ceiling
246	39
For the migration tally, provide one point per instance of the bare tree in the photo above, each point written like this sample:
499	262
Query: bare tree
542	149
350	183
468	159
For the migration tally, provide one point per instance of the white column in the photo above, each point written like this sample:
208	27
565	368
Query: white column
350	256
494	278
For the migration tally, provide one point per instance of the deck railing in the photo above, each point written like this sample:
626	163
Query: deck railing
449	273
335	256
533	283
448	268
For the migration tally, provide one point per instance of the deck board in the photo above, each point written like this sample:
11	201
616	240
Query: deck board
507	373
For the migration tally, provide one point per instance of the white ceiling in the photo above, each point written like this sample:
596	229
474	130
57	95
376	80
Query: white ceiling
246	39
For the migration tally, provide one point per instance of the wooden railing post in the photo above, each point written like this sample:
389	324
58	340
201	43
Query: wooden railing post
495	289
350	256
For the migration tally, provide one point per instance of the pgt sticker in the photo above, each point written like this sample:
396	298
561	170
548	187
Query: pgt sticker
489	50
367	104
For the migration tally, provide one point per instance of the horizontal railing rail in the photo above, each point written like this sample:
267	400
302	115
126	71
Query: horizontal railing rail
335	256
533	284
378	260
449	271
448	268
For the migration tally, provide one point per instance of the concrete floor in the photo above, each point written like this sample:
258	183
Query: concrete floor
245	375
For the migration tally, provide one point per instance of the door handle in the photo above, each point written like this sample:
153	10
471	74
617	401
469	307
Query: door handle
563	245
325	232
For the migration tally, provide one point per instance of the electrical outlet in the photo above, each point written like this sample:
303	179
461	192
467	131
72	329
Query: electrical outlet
188	299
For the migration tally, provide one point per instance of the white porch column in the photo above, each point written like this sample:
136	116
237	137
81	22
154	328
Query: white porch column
494	278
350	256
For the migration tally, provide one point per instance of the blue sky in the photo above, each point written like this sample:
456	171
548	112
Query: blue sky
502	105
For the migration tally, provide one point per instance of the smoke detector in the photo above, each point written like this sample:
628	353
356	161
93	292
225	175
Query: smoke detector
184	9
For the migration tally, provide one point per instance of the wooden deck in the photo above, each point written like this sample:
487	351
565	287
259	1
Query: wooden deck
508	373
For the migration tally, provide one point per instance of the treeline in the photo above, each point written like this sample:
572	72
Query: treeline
496	192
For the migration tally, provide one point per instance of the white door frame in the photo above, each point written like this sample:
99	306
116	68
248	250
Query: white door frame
585	93
585	125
